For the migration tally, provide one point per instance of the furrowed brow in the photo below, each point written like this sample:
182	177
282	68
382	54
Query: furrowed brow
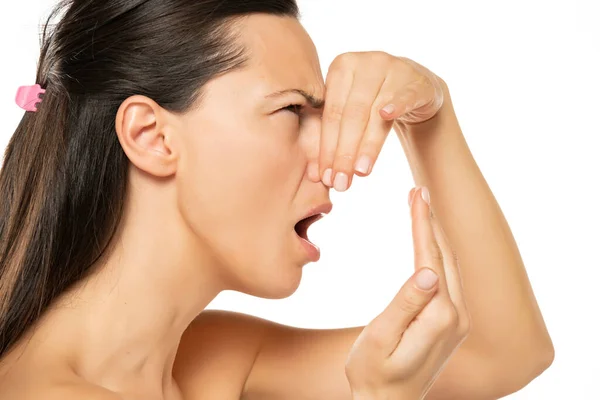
312	100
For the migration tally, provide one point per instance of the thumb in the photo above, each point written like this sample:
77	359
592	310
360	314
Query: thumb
387	328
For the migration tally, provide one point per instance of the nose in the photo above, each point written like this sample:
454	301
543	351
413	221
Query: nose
310	137
312	171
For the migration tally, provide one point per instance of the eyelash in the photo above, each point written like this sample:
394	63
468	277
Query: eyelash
295	108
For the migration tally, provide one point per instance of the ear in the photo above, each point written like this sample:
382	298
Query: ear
146	134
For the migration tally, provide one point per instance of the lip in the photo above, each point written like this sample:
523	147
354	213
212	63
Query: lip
324	208
312	251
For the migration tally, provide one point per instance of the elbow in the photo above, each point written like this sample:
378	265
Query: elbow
542	358
521	371
547	357
540	363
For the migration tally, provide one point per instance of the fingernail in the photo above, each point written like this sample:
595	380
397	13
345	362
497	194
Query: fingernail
389	109
426	279
363	164
327	177
425	194
341	182
313	171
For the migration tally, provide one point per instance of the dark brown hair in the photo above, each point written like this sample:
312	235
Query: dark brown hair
64	173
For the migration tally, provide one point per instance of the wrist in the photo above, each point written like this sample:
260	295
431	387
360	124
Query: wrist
445	117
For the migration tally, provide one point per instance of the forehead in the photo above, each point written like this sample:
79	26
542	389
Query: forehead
282	54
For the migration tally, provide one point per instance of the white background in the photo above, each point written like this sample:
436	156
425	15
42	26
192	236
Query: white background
525	82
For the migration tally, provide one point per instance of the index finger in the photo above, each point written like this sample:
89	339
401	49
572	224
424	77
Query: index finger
337	89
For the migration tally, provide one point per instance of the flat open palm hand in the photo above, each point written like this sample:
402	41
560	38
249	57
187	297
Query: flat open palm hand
402	351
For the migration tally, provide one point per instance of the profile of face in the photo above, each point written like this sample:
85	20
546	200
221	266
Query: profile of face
241	180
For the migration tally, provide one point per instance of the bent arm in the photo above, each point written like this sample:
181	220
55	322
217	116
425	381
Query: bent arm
507	325
509	344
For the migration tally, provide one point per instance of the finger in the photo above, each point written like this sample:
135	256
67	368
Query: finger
337	88
371	144
416	101
403	102
427	252
376	132
312	139
356	115
410	197
451	267
384	332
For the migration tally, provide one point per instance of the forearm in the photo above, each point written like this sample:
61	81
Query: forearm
506	320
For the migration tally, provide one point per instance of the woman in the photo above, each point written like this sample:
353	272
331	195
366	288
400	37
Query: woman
122	217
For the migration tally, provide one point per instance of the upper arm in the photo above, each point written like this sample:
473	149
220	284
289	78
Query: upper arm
298	364
216	354
226	354
233	355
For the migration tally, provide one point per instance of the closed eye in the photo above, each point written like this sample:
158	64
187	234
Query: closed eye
295	108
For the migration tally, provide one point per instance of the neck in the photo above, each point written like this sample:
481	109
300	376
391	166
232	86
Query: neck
121	327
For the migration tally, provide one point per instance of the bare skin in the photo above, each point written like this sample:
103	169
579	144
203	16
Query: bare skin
137	328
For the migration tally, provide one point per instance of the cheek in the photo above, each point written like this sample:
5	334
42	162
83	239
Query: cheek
237	169
235	191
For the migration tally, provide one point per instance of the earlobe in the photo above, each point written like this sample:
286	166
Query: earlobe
142	130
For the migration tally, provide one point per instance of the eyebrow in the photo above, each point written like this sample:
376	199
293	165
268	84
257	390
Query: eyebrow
312	100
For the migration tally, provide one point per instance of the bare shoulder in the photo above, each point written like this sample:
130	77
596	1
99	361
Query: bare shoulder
25	381
217	352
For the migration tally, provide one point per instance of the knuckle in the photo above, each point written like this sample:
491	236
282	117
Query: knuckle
454	256
353	369
423	80
370	148
333	113
370	144
326	161
358	110
430	86
327	153
464	326
350	369
410	93
404	64
375	339
447	317
343	162
436	253
465	323
344	59
411	302
380	56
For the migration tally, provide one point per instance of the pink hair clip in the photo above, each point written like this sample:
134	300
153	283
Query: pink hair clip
28	97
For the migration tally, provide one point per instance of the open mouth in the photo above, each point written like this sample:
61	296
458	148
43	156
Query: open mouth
302	226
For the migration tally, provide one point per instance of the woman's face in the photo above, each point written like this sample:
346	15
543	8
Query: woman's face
242	182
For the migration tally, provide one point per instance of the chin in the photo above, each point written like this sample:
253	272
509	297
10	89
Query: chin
278	282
